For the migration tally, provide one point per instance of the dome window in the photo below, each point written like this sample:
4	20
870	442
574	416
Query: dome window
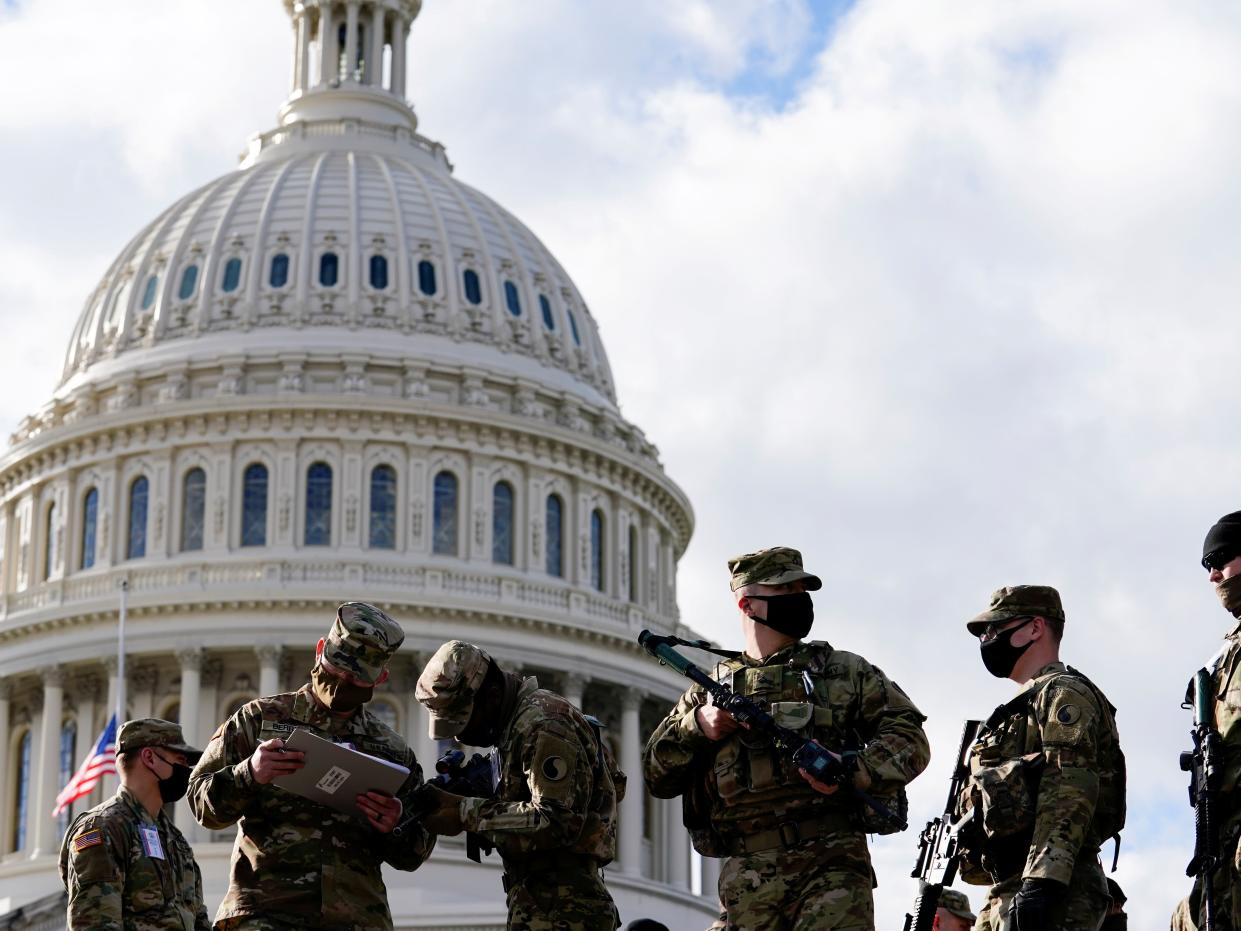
444	532
136	544
502	524
90	521
254	505
555	536
546	307
379	273
189	281
426	278
232	275
473	287
512	298
148	295
318	505
577	339
597	579
329	269
383	508
49	542
279	275
193	506
633	563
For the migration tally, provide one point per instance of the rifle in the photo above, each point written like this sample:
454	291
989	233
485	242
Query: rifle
470	778
938	849
1202	763
806	753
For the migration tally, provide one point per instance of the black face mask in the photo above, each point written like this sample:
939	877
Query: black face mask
337	694
173	788
999	655
790	614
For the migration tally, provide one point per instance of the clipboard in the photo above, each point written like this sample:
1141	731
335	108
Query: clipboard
334	775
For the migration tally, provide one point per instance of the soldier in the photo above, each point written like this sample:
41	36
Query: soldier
1221	557
796	849
297	864
553	815
1047	776
953	913
1117	918
125	864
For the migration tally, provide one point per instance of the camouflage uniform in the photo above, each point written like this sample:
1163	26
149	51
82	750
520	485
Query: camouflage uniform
119	881
796	859
1047	781
296	863
553	815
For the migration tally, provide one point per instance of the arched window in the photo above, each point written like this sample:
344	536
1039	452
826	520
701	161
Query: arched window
633	563
68	747
329	269
546	307
383	508
148	295
254	505
232	275
318	505
444	533
473	287
90	521
502	524
189	281
193	506
426	278
512	298
555	536
577	339
22	795
49	542
136	545
379	272
596	550
278	277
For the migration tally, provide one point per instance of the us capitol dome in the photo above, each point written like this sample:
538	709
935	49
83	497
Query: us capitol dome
336	372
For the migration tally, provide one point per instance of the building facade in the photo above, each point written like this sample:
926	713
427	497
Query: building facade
334	373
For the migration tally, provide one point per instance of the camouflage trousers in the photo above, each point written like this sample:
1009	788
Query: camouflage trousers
563	902
1083	909
823	885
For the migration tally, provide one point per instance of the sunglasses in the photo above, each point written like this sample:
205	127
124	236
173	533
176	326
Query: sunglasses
1217	559
993	630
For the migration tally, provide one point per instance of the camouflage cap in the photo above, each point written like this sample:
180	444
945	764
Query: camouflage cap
362	640
778	565
956	903
154	732
448	684
1018	601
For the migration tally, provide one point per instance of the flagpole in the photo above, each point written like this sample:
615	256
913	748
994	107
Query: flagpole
120	655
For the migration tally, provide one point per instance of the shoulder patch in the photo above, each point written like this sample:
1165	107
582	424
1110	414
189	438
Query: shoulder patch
87	839
1068	714
554	768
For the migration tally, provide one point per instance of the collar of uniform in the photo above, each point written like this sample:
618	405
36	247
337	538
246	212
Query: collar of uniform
528	687
1236	630
308	711
773	659
134	805
1047	670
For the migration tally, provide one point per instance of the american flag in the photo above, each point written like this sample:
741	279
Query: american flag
100	762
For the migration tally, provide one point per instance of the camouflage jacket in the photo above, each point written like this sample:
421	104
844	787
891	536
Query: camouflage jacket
122	880
1047	780
1228	718
558	788
295	859
838	698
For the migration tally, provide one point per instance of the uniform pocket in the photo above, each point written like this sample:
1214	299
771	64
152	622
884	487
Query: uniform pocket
144	889
727	770
1006	795
795	715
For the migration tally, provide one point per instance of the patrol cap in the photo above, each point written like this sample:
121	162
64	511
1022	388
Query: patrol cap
362	640
154	732
956	903
448	684
1018	601
778	565
1224	537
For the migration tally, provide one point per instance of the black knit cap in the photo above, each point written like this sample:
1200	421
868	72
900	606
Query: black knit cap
1224	537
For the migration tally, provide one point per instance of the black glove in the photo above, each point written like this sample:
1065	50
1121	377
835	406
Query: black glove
1034	904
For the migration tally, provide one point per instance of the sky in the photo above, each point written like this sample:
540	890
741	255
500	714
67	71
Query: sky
936	292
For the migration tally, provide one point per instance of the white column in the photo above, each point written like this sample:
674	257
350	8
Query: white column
85	694
269	668
142	692
630	827
6	697
303	51
711	879
47	773
676	846
417	721
399	32
375	57
110	782
351	41
191	661
329	60
574	687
